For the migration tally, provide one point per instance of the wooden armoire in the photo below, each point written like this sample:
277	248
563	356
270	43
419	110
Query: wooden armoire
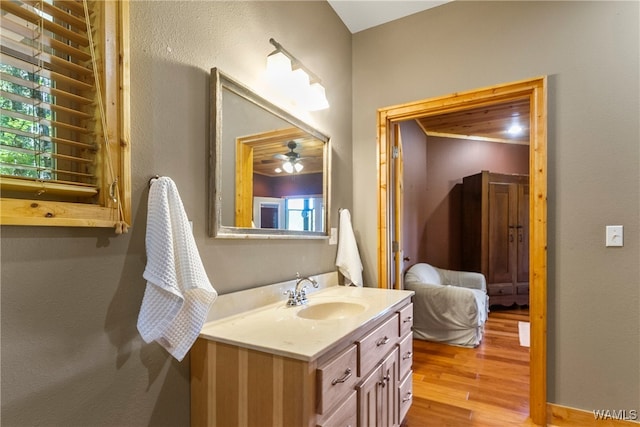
495	234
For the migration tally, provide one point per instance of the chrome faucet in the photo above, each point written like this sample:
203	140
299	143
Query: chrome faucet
298	295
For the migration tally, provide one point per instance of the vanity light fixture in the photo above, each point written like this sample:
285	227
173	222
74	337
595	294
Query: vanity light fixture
287	73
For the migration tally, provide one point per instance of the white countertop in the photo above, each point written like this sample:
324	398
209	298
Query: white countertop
276	328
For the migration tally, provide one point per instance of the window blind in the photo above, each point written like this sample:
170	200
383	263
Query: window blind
48	124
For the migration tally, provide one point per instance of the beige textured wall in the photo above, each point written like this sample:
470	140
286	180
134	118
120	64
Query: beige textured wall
71	354
590	52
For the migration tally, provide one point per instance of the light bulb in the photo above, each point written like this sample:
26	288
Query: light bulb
288	167
515	129
298	87
298	166
278	70
317	98
278	64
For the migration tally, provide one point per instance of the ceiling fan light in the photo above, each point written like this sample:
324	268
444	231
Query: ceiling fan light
278	170
298	166
288	167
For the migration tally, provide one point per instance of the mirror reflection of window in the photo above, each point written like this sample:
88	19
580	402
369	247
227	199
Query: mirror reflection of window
304	213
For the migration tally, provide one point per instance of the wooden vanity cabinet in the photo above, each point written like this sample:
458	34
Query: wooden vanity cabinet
385	356
363	380
495	234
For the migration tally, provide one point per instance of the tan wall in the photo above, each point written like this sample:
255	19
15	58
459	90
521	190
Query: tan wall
71	354
590	52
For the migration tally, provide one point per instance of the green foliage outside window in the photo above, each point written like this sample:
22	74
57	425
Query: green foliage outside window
22	152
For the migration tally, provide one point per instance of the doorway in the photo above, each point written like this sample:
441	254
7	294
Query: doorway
390	198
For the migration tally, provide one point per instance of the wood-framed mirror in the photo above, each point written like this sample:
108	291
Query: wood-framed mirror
268	170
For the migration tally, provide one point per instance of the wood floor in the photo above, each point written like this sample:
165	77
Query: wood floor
484	386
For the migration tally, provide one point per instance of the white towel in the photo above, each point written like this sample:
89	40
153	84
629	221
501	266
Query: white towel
348	259
178	294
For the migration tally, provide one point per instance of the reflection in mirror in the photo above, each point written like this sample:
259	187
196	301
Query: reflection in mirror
269	171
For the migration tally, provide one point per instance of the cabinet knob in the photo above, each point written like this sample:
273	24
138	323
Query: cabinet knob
384	380
407	355
407	398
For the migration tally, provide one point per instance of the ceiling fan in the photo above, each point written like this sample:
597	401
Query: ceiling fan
291	159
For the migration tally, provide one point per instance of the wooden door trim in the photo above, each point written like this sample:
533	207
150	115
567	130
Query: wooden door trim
536	91
397	214
244	184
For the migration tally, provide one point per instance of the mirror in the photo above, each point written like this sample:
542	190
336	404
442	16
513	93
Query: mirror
268	172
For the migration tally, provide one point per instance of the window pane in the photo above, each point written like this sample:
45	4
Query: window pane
22	152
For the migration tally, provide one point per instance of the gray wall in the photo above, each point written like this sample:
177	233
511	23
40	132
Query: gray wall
590	52
71	354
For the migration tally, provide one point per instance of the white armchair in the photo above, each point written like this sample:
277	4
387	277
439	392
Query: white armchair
449	306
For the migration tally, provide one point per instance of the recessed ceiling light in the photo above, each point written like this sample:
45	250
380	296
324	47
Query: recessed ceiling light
515	129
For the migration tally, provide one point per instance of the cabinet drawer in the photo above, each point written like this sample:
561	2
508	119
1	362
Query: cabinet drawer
405	395
377	344
522	289
406	319
336	378
498	289
406	354
346	415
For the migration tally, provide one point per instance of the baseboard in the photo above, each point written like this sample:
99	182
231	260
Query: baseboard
558	415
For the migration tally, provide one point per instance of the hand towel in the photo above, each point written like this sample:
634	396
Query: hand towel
178	294
348	259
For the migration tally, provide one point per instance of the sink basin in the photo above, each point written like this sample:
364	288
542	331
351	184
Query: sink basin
331	310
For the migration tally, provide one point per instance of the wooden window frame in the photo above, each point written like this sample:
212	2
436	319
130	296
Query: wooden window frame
112	30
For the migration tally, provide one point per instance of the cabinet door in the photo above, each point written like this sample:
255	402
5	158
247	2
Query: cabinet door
369	399
390	403
377	395
503	208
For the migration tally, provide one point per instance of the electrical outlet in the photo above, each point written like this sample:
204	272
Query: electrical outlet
615	236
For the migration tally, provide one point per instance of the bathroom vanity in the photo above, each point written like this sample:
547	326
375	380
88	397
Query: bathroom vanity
343	359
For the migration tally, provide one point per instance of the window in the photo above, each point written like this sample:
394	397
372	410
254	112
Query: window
58	100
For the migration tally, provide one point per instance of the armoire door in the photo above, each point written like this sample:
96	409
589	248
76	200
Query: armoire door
523	234
503	208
